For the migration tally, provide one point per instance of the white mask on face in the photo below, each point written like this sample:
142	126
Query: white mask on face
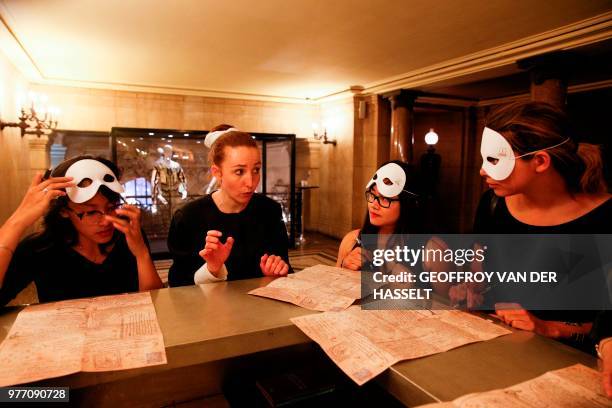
90	174
498	158
390	180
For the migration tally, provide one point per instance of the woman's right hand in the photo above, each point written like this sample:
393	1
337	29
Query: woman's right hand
353	260
215	253
38	197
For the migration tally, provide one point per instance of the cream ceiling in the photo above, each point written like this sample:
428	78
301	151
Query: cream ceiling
291	49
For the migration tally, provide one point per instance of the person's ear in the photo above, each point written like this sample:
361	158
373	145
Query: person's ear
541	161
64	213
216	172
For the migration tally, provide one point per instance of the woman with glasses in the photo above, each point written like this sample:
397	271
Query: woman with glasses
89	245
394	210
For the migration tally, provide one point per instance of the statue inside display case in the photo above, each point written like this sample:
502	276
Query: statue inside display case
167	179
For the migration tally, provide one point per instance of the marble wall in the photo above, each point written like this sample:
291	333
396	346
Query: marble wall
336	195
99	110
14	150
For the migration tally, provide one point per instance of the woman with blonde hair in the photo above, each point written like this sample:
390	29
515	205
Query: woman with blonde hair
542	181
234	232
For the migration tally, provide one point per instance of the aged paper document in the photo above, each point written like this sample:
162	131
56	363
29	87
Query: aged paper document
576	386
364	343
98	334
320	287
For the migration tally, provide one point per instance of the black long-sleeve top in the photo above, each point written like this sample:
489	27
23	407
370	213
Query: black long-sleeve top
257	230
61	273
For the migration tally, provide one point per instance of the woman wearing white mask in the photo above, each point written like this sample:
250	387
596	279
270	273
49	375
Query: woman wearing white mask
393	208
394	212
233	233
541	181
89	244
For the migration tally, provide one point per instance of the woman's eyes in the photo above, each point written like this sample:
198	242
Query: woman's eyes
240	172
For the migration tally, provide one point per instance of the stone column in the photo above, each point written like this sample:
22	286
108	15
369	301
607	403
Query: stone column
39	158
548	74
402	126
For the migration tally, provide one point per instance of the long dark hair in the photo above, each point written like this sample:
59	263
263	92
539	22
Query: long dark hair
59	230
410	220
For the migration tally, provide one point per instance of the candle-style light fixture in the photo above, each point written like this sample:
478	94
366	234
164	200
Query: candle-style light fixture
321	136
38	119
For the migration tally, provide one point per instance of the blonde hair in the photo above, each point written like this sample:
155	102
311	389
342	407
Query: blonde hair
235	138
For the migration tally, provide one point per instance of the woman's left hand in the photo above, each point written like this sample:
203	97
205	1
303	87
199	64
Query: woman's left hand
273	265
514	315
128	222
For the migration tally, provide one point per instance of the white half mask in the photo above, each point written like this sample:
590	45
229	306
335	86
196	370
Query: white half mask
211	137
497	155
390	180
97	173
498	158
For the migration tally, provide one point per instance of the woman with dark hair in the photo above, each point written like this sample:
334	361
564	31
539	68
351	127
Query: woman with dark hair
394	213
395	210
542	181
232	233
89	244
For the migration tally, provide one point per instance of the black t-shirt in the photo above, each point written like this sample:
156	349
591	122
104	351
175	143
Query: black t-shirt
257	230
61	273
493	217
602	328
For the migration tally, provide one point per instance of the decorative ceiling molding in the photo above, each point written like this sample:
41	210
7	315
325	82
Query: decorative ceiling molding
581	33
171	90
572	89
577	34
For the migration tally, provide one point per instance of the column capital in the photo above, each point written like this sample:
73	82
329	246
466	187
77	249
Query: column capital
554	65
402	98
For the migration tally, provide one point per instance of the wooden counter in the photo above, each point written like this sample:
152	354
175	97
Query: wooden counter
210	329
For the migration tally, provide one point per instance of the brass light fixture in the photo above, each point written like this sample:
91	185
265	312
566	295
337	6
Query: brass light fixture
322	136
29	121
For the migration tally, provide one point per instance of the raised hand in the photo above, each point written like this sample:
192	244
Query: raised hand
38	197
215	253
273	265
353	260
128	222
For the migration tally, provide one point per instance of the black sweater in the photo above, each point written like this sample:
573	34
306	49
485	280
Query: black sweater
61	273
257	230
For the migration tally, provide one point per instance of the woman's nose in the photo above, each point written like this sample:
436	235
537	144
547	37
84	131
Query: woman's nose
248	180
104	221
483	173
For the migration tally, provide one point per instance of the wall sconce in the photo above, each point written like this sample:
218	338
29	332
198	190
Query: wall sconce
431	138
323	136
430	165
29	121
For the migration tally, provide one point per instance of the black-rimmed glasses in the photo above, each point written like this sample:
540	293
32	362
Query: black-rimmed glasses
384	202
95	216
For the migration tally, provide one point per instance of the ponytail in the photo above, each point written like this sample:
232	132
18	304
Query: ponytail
592	180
